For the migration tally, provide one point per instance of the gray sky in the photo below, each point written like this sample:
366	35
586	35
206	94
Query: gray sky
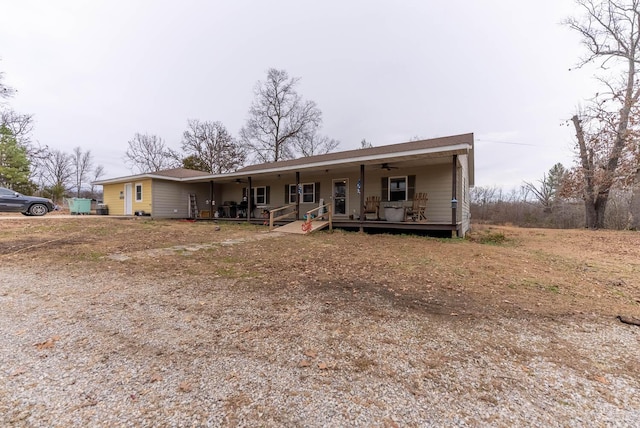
96	72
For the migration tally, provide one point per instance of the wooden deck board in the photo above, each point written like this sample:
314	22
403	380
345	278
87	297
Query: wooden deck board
296	227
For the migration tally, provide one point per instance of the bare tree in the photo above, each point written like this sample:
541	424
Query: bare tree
211	148
20	125
56	172
315	145
97	173
610	31
81	163
149	153
278	118
364	144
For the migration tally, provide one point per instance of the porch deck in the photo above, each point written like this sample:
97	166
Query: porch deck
379	226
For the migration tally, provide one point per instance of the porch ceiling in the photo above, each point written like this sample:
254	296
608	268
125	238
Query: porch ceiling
403	161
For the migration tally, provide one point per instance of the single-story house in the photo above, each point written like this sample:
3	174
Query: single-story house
438	171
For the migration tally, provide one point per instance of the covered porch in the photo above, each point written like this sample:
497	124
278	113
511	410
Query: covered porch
349	184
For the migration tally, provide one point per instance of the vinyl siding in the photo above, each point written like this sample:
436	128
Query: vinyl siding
433	179
171	199
111	197
168	199
145	203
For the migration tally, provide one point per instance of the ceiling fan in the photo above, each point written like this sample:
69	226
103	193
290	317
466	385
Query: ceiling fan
388	167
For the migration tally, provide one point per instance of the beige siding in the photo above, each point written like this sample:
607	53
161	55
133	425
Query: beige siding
171	199
433	179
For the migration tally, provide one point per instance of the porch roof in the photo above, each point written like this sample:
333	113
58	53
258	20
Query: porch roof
175	174
413	152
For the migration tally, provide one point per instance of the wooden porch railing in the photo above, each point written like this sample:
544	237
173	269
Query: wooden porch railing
272	214
326	213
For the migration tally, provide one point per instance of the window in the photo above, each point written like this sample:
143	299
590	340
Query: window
139	192
307	190
260	195
397	188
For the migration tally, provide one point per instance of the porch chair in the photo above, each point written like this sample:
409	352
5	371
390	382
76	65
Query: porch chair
372	206
416	212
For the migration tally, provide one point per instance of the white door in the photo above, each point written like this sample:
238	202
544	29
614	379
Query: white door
340	195
128	199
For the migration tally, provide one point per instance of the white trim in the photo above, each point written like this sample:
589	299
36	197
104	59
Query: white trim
302	201
384	156
136	178
128	196
255	195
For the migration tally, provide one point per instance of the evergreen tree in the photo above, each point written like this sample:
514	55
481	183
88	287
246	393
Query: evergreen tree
14	163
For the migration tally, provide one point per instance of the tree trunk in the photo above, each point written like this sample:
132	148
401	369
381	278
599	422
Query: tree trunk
595	210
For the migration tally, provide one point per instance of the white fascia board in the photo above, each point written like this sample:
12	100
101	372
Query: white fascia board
132	178
381	157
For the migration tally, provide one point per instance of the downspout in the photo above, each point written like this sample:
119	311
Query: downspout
249	207
362	197
297	195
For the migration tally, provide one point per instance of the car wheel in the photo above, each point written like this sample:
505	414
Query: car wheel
38	209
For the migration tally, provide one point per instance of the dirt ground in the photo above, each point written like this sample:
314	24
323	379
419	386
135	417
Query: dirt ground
534	280
496	270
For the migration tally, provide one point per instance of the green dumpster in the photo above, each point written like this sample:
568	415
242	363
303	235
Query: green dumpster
79	205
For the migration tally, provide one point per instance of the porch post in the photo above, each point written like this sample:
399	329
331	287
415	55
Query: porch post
362	197
249	193
211	199
454	189
297	195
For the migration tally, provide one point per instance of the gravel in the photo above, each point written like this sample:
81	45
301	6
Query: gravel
104	349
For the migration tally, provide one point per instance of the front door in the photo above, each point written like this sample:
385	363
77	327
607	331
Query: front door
128	199
340	196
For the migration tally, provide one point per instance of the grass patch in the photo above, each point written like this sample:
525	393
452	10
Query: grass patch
553	288
488	237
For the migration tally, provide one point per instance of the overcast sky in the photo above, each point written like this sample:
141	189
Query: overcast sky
94	73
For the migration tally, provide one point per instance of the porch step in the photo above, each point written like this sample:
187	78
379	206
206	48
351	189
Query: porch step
296	227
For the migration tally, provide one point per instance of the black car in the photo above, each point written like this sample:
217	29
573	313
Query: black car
12	201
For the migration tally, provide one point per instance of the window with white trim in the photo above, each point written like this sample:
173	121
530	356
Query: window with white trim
398	188
139	192
308	193
260	195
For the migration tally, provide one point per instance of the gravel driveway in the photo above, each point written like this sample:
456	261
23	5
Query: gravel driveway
105	349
